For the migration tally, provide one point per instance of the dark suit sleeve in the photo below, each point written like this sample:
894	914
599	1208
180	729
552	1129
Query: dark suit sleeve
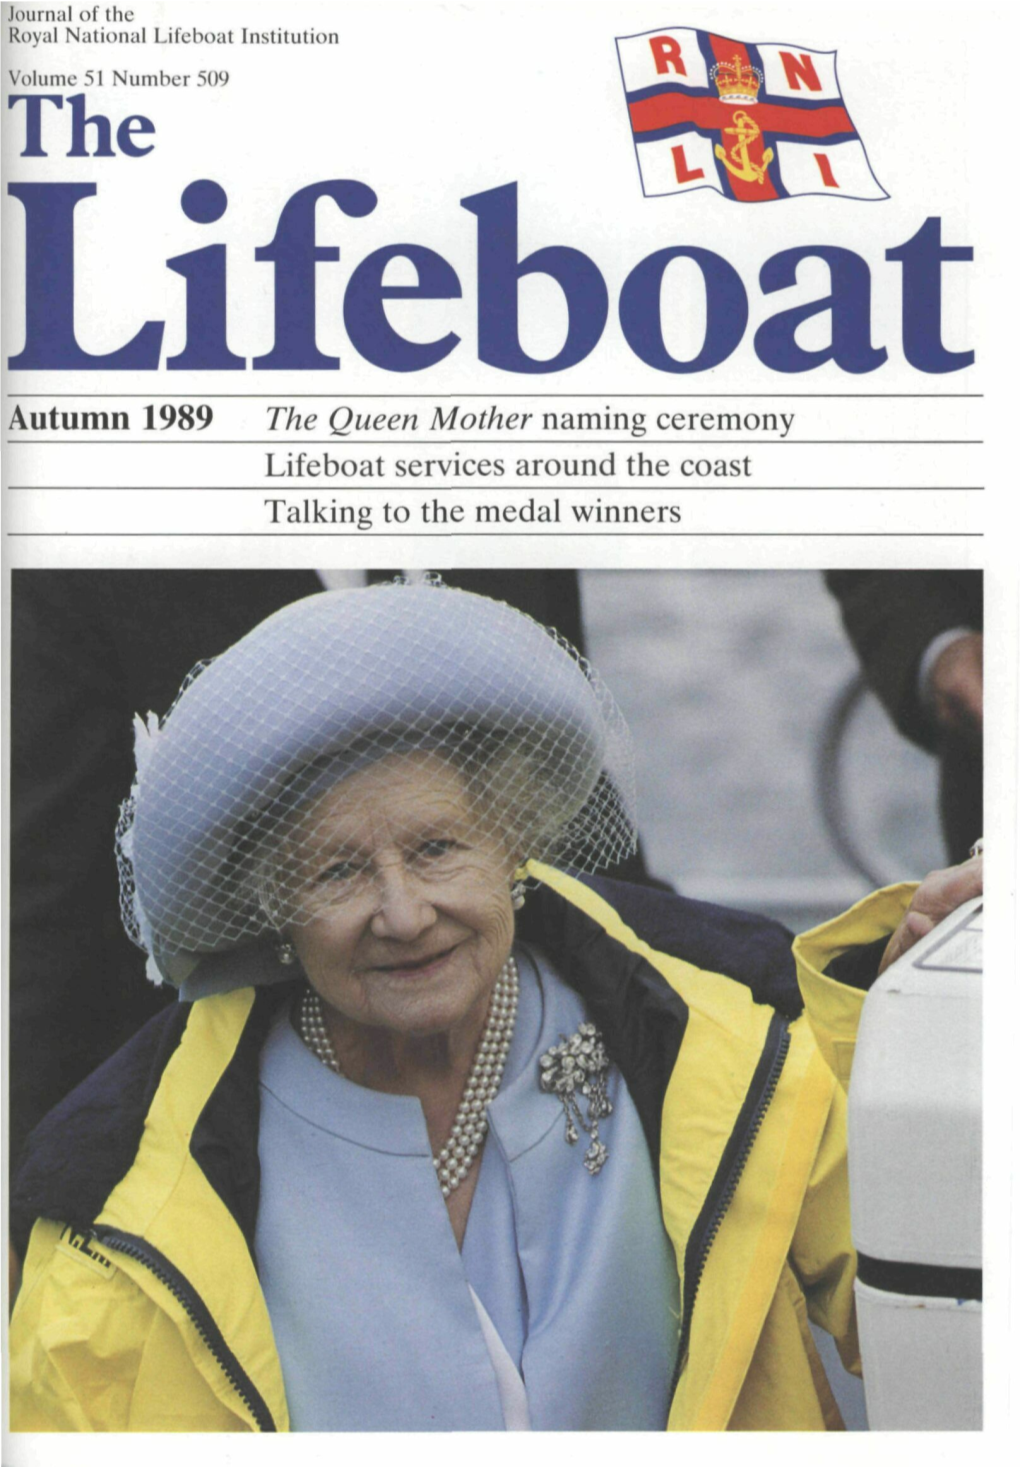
76	984
891	617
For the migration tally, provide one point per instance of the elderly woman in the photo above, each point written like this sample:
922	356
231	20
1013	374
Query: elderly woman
445	1135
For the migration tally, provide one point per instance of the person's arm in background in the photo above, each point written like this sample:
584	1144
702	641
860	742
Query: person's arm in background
917	635
951	683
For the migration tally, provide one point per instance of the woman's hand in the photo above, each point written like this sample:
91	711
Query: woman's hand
938	895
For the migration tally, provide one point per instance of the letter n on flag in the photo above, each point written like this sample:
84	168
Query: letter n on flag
755	122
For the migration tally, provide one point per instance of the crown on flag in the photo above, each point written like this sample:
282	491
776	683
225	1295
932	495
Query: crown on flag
735	81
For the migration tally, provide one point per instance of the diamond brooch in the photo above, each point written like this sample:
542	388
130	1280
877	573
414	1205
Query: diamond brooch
578	1068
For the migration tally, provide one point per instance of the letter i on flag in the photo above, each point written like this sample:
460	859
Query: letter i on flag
755	122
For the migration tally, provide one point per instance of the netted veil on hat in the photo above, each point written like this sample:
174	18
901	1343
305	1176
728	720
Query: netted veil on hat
229	783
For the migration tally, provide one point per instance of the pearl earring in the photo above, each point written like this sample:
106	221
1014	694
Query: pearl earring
286	952
517	895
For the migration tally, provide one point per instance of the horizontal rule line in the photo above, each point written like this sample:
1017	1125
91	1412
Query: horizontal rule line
477	534
633	443
551	396
496	489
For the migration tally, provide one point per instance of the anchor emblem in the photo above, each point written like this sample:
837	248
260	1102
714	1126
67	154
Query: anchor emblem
738	160
738	83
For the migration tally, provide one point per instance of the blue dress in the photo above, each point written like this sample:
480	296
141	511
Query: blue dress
369	1296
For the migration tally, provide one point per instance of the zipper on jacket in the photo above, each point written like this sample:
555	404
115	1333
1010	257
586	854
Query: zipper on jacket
724	1184
191	1302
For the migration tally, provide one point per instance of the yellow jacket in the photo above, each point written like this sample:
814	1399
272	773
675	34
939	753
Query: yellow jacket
140	1307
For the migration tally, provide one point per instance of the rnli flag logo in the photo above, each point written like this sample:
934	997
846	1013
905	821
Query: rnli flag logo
754	122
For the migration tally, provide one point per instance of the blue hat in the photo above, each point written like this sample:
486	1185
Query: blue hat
316	691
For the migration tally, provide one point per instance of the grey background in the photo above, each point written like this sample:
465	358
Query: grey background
726	679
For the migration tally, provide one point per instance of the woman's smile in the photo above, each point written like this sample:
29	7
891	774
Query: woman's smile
412	967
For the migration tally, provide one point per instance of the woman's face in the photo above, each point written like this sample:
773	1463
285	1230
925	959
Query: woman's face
403	913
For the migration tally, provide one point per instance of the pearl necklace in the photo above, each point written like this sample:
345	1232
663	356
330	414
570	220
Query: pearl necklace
471	1122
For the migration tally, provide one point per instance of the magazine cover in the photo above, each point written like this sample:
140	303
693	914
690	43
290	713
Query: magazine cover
501	504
